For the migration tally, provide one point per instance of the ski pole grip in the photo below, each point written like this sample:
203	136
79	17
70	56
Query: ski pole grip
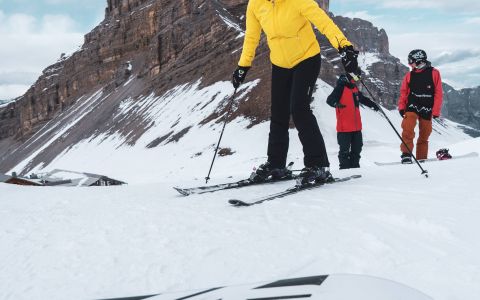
355	76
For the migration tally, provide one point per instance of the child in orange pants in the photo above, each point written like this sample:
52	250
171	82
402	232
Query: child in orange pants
420	99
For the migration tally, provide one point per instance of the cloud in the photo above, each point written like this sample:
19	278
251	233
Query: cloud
23	78
363	14
18	23
457	6
458	66
461	74
29	45
473	21
11	91
456	56
434	43
56	2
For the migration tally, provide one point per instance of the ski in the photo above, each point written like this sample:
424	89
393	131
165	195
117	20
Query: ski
231	185
471	154
287	192
225	186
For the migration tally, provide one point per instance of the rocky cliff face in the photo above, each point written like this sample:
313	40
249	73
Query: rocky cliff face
162	42
463	107
155	45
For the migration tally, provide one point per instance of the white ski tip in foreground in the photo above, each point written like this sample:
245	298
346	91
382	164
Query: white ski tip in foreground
325	287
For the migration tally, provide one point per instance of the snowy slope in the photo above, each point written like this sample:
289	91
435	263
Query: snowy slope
82	243
184	107
143	238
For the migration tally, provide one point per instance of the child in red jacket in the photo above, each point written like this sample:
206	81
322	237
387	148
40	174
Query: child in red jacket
346	99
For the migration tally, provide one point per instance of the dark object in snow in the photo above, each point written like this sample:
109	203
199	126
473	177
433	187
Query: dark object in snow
443	154
14	179
59	177
225	152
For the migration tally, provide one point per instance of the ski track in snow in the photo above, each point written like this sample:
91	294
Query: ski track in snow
144	238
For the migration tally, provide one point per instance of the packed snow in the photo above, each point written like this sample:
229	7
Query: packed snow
144	238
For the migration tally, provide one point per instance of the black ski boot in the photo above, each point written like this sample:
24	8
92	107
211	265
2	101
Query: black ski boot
406	158
312	175
267	172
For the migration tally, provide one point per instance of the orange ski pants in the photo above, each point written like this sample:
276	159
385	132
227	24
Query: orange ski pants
408	134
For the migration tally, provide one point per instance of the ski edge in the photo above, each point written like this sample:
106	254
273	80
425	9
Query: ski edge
183	192
291	190
391	163
225	186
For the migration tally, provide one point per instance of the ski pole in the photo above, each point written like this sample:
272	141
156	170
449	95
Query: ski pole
221	134
424	172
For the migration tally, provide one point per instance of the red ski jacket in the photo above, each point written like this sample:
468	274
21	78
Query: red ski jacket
346	99
437	92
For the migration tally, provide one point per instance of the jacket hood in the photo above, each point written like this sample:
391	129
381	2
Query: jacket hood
344	81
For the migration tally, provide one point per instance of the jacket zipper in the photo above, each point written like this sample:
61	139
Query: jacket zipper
275	33
273	17
355	109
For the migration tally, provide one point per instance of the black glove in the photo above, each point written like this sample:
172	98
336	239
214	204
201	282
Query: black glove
349	59
239	76
375	107
402	113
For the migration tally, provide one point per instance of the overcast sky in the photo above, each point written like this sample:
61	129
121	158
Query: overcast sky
34	33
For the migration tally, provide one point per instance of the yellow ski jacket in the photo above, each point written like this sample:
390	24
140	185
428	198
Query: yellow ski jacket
287	25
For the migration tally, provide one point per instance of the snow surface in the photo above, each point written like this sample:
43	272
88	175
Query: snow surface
232	24
144	238
367	59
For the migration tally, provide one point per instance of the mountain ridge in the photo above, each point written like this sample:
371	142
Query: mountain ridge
148	47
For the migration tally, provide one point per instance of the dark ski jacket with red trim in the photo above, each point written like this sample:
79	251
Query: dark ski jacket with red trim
346	99
422	92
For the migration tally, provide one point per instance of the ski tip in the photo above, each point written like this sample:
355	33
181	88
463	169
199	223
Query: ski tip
236	202
181	191
340	179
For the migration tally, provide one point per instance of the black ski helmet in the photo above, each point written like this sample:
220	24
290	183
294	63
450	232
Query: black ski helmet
417	56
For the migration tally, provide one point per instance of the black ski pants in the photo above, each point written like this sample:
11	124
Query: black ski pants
351	144
291	95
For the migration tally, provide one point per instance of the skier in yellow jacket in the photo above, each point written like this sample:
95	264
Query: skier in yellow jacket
295	57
